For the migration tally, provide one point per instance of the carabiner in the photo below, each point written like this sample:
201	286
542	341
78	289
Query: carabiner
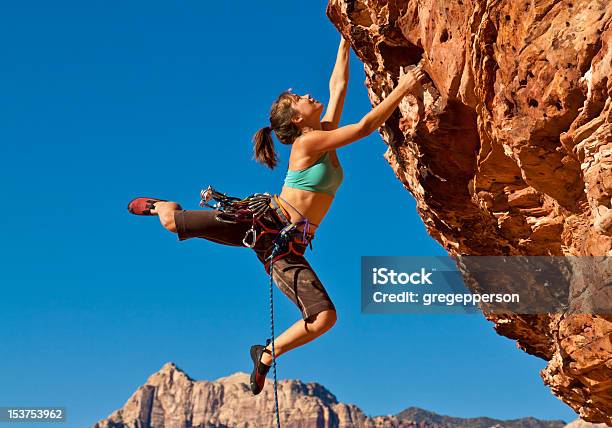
252	232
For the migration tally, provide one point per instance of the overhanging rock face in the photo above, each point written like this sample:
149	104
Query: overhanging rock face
507	149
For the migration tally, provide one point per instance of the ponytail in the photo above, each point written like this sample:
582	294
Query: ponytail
286	131
263	147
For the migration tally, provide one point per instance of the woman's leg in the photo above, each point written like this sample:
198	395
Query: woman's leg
300	333
199	224
295	277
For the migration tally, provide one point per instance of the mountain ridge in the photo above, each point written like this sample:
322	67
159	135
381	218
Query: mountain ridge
171	398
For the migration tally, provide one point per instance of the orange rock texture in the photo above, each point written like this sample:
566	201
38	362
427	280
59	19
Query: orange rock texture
507	148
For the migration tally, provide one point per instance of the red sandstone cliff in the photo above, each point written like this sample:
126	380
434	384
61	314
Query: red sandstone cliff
508	148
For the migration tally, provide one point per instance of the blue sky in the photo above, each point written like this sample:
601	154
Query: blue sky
104	101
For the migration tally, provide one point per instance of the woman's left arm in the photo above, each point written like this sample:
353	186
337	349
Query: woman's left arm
337	87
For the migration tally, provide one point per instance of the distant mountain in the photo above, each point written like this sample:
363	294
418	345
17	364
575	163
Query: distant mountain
171	399
579	423
431	419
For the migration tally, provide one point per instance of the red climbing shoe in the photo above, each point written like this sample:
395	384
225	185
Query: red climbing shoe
143	206
260	370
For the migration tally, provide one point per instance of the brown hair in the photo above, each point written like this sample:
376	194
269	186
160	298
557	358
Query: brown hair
286	131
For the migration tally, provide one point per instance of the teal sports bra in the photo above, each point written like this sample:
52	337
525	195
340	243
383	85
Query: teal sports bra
322	177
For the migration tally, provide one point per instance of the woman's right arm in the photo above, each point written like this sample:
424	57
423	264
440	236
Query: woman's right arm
322	141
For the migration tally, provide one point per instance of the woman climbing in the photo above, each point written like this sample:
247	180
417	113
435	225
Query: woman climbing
314	174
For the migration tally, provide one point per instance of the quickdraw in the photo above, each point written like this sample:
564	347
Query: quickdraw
235	210
250	209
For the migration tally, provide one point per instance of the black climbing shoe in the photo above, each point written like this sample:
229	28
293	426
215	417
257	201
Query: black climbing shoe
260	370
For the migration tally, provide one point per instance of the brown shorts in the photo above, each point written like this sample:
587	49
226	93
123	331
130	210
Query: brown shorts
292	273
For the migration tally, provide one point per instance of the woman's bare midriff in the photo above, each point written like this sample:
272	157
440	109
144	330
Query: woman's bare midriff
313	205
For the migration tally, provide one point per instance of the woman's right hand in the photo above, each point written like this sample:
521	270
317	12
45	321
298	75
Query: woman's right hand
412	79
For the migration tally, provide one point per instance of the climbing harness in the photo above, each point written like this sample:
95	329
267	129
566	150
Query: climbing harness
251	209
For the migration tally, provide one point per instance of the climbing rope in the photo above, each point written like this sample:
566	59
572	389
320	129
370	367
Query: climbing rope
279	244
276	407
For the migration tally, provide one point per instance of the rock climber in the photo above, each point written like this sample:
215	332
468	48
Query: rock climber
313	177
